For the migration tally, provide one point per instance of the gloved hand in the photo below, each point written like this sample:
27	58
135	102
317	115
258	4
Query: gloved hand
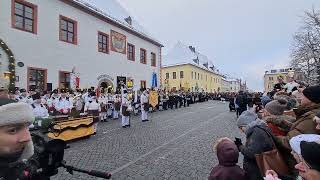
238	142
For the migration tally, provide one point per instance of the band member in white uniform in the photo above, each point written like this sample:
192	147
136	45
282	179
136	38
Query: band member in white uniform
64	105
117	105
144	99
125	112
103	102
110	105
24	97
39	109
93	108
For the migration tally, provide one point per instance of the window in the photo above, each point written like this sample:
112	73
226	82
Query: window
37	78
24	16
167	75
270	78
103	42
143	56
181	74
273	71
198	76
143	84
64	80
191	74
174	75
153	60
131	52
68	30
206	78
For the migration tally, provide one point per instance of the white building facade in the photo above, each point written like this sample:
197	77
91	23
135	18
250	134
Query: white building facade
230	85
50	38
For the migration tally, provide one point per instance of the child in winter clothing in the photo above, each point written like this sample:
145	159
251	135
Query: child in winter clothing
227	169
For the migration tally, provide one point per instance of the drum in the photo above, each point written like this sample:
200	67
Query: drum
104	108
146	106
117	106
124	111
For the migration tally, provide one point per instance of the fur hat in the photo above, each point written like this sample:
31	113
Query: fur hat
277	107
295	142
312	93
246	118
12	112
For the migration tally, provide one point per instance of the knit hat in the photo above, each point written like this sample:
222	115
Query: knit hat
12	112
310	153
277	107
246	118
312	93
265	100
295	142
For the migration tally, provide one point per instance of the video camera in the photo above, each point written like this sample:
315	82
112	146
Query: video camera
48	157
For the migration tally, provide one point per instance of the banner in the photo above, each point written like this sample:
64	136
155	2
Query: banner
153	98
118	42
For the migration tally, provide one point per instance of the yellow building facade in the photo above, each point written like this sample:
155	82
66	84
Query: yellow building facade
271	77
191	77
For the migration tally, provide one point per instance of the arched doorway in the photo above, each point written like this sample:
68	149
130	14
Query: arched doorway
106	84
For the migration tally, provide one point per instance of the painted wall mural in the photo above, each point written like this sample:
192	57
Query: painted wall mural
118	42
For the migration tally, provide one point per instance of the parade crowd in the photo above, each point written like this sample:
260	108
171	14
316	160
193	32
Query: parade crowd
281	127
282	131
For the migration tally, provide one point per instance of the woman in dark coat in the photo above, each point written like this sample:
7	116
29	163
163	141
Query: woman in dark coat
257	141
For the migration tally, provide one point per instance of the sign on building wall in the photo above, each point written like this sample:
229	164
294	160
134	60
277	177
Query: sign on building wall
118	42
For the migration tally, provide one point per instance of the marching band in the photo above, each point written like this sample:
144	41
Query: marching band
102	105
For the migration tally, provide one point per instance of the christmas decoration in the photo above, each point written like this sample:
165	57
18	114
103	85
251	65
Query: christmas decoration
11	66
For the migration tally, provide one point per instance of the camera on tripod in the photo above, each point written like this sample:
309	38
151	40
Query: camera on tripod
48	157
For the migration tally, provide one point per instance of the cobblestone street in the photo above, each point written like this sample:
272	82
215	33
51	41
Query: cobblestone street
176	144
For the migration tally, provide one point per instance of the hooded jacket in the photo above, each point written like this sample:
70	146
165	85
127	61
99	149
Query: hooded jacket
258	141
227	169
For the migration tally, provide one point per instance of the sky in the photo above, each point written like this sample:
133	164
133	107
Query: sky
243	38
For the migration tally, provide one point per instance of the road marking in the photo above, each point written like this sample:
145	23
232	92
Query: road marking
165	144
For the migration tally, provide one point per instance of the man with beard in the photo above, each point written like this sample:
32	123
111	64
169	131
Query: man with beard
15	140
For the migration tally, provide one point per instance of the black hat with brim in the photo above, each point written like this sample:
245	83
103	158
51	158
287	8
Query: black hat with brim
310	153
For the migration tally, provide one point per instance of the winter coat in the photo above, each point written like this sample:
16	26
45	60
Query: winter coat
258	141
227	169
279	125
303	125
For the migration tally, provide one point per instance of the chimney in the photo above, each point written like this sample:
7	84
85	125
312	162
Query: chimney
128	20
193	49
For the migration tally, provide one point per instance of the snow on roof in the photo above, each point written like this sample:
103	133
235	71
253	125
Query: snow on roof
183	54
111	9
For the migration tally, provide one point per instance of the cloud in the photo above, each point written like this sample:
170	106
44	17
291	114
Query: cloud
255	71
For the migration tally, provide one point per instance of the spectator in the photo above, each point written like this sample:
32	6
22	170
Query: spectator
310	105
317	120
279	123
15	140
257	142
307	149
242	102
227	169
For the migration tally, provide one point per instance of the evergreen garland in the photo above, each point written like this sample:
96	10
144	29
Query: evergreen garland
11	66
